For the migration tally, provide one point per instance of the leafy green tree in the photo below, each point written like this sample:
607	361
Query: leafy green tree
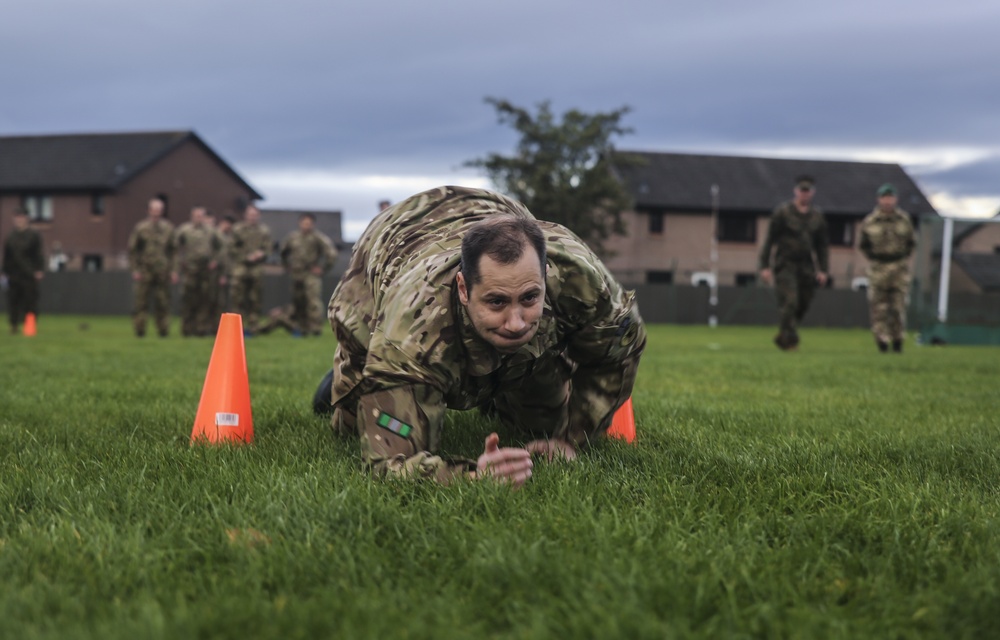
563	171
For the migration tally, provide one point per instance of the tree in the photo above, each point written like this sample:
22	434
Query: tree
562	171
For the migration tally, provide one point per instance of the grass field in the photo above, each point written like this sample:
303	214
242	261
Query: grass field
831	493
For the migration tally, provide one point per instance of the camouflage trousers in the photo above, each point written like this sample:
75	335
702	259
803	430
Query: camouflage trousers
218	294
246	296
887	306
22	299
795	288
152	289
197	303
309	313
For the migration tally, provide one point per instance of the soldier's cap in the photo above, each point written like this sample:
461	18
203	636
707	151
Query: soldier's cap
805	182
887	190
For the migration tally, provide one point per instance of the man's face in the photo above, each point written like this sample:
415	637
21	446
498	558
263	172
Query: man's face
252	215
20	222
887	202
198	215
225	226
305	224
507	303
155	209
804	194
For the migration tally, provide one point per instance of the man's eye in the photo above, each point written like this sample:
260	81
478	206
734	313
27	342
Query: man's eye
530	297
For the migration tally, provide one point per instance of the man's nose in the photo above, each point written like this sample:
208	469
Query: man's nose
515	322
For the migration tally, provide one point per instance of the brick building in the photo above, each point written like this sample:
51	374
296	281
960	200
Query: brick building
85	192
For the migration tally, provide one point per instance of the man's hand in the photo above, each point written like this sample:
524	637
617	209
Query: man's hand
137	275
39	275
173	277
766	276
552	449
821	278
317	271
506	465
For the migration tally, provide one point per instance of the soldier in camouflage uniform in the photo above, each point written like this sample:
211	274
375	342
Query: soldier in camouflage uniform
307	254
198	258
887	241
797	233
458	298
23	266
150	256
248	252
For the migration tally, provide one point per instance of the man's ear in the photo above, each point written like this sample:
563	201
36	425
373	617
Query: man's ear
463	291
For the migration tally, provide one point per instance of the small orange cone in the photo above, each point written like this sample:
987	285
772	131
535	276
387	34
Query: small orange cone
623	424
29	325
224	410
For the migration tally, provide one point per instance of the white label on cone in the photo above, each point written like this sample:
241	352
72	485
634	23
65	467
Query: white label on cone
227	419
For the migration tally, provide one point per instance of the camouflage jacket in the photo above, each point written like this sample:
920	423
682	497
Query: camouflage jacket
303	251
197	246
151	247
887	240
22	254
795	237
412	351
887	237
246	240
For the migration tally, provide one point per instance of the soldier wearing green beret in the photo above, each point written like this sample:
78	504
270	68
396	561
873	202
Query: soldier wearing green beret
887	240
797	234
459	298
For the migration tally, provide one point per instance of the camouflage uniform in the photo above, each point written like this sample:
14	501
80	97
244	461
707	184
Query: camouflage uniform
199	252
246	273
300	253
150	254
407	349
22	259
887	240
795	237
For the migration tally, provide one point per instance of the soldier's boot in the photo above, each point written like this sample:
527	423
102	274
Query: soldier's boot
883	346
323	398
897	346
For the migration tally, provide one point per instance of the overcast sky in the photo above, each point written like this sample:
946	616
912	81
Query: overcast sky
334	104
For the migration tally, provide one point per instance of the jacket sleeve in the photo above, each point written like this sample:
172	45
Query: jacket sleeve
764	261
821	243
606	352
399	427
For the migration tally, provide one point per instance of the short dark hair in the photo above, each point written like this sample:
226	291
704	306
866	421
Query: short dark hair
229	219
307	214
503	238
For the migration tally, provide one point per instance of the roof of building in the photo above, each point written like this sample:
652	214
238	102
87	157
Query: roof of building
982	268
683	182
90	161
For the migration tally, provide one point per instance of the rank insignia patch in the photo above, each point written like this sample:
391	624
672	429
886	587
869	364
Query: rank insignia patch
395	425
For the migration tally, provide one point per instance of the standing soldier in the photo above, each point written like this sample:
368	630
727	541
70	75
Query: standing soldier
307	254
23	265
251	244
150	255
199	252
887	240
797	232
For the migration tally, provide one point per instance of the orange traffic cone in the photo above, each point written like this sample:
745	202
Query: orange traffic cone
29	325
623	424
224	410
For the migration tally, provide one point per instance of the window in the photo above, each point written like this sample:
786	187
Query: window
737	228
97	204
840	230
660	277
746	279
39	208
656	222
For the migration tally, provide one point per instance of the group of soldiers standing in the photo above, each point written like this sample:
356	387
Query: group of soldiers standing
221	267
797	237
